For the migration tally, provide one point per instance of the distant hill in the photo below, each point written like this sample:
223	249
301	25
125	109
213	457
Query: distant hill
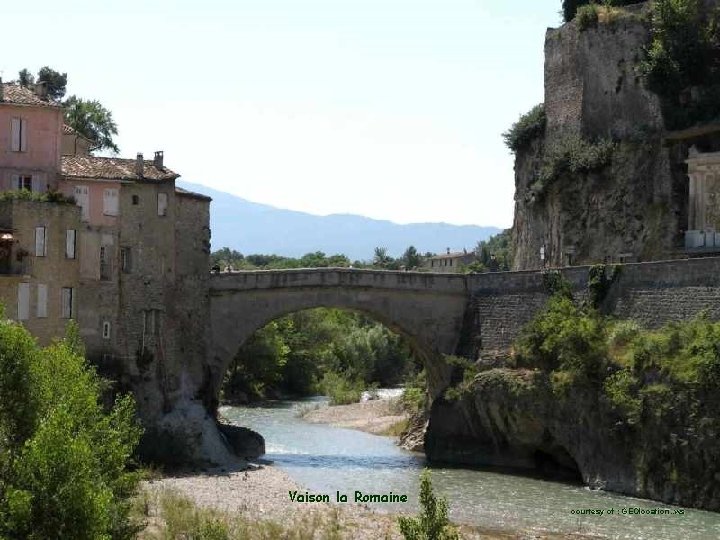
258	228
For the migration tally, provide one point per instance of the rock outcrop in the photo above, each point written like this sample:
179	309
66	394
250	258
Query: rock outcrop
633	205
515	419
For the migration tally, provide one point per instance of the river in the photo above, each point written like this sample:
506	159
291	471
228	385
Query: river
325	459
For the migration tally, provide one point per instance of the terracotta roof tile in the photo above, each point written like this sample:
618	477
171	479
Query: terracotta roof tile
104	168
20	95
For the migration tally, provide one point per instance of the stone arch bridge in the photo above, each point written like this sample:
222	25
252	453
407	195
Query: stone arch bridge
427	309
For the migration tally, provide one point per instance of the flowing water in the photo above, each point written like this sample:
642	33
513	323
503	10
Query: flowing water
326	459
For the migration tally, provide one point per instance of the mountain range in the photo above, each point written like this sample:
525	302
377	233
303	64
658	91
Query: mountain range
250	227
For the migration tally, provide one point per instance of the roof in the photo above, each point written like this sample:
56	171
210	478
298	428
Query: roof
185	193
21	95
454	255
104	168
68	130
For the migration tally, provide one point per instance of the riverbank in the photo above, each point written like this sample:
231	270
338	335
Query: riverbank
260	497
379	416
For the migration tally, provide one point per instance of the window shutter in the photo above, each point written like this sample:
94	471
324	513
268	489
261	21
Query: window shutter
40	243
15	180
23	135
70	242
162	204
66	295
82	199
23	301
15	134
42	300
36	183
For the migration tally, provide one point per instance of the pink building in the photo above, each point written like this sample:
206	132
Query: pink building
30	145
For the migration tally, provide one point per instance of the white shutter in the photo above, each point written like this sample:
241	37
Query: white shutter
15	182
110	202
42	296
36	183
40	243
15	124
70	243
66	294
162	204
23	301
82	199
23	135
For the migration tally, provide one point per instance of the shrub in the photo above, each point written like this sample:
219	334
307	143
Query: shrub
530	126
572	7
414	396
432	523
564	338
587	16
65	457
340	389
574	155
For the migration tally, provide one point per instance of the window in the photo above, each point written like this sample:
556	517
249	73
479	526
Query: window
42	295
40	243
162	204
18	135
106	330
82	199
151	322
125	260
23	301
135	200
22	181
70	242
110	202
66	302
105	266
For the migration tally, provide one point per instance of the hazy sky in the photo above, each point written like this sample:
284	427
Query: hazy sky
392	109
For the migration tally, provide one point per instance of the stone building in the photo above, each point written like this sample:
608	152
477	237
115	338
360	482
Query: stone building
129	260
449	262
39	257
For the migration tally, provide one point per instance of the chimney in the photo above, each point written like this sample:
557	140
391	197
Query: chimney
448	251
158	162
139	165
41	90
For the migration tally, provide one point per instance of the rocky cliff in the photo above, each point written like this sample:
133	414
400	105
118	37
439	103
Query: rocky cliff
514	418
600	182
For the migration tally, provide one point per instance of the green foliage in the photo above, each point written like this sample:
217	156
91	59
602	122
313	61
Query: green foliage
91	120
340	389
599	283
291	355
56	82
530	126
64	458
25	78
227	258
414	398
464	373
34	196
494	254
411	258
564	337
572	7
571	155
433	522
587	16
682	56
555	284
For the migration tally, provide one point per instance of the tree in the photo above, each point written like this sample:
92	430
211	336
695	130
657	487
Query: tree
381	257
432	523
56	82
92	120
411	258
64	458
25	78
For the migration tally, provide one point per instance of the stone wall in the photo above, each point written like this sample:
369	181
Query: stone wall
652	294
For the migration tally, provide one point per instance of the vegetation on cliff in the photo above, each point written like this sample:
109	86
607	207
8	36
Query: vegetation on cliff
572	7
63	458
529	127
682	62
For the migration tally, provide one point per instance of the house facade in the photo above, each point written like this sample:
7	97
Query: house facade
120	249
449	262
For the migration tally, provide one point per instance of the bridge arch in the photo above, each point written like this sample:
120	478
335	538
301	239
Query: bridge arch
427	309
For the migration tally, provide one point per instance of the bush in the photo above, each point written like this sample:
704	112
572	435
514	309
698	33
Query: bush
414	398
432	523
340	389
65	459
564	338
530	126
571	154
572	7
587	16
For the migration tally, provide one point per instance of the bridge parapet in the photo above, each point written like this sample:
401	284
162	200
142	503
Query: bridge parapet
452	284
